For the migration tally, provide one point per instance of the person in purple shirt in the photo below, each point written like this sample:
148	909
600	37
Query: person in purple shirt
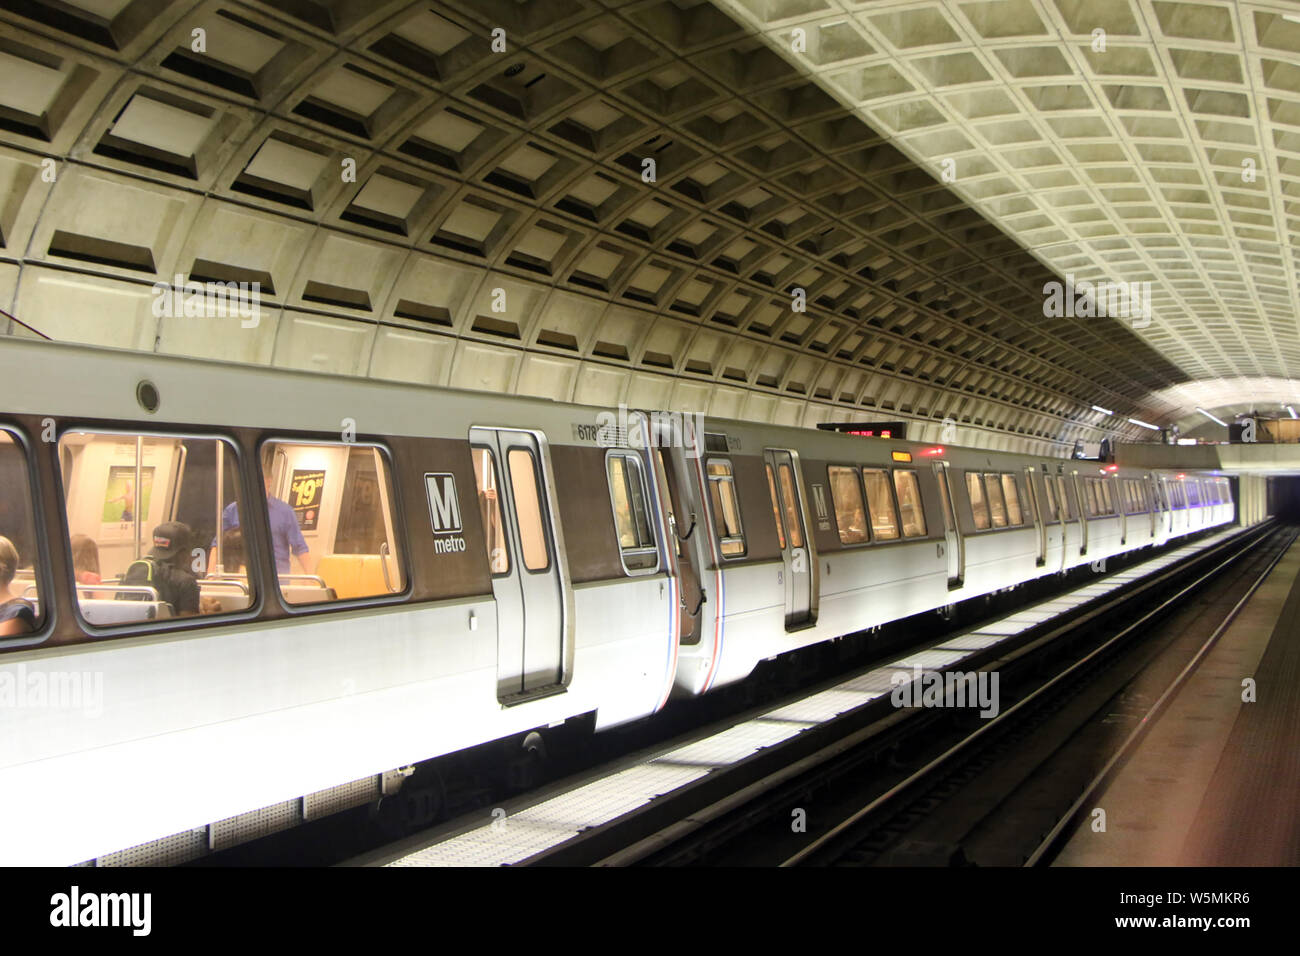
286	536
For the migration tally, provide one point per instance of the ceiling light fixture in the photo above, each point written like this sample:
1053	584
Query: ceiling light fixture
1217	421
1154	428
1104	411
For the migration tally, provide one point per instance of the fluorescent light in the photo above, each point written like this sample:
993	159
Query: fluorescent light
1104	411
1292	17
1187	441
1217	421
1154	428
1292	411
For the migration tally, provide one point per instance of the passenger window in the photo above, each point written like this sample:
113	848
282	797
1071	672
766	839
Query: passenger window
489	509
156	525
997	508
880	503
776	507
1108	493
909	503
528	508
791	506
978	506
1052	513
726	510
1063	499
846	495
1091	491
628	495
332	520
1193	494
20	600
1011	491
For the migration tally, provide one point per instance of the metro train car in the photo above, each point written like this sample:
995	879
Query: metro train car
390	573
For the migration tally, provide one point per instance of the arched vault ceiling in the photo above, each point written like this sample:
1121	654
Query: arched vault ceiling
514	179
1125	140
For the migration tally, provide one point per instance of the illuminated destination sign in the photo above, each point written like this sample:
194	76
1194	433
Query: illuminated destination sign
867	429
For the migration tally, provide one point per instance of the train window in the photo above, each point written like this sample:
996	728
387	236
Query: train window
880	504
791	507
846	494
331	507
726	509
1063	499
997	507
978	506
1012	493
1193	494
20	601
1050	485
909	503
156	526
528	509
628	495
776	507
489	508
1090	492
1106	497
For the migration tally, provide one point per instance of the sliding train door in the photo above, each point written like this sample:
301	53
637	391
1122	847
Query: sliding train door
781	466
1082	508
674	461
529	578
1038	513
952	540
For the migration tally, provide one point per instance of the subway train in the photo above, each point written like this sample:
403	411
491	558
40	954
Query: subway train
389	573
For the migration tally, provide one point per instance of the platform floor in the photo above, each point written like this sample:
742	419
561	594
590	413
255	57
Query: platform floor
1216	781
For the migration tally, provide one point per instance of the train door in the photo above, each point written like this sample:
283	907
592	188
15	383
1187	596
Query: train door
1166	506
953	544
1081	509
1035	506
529	583
1121	506
672	480
1146	490
791	531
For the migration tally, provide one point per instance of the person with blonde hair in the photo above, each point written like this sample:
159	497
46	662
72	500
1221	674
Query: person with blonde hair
85	559
17	615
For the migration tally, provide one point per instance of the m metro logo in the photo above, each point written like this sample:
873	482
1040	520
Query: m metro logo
444	511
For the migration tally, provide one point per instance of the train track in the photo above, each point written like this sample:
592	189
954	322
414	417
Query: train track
1011	790
749	805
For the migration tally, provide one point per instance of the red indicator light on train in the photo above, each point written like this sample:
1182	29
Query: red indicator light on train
931	452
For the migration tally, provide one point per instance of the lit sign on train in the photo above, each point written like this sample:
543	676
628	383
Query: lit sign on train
444	512
305	489
867	429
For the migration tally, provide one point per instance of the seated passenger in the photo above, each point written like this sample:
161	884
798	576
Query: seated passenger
166	569
17	615
85	559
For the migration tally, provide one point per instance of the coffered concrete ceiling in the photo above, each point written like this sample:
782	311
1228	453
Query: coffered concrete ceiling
418	206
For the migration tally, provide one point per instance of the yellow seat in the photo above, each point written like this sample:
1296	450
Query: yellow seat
353	575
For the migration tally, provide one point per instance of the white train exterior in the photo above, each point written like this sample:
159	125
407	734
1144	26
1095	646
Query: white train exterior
681	581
